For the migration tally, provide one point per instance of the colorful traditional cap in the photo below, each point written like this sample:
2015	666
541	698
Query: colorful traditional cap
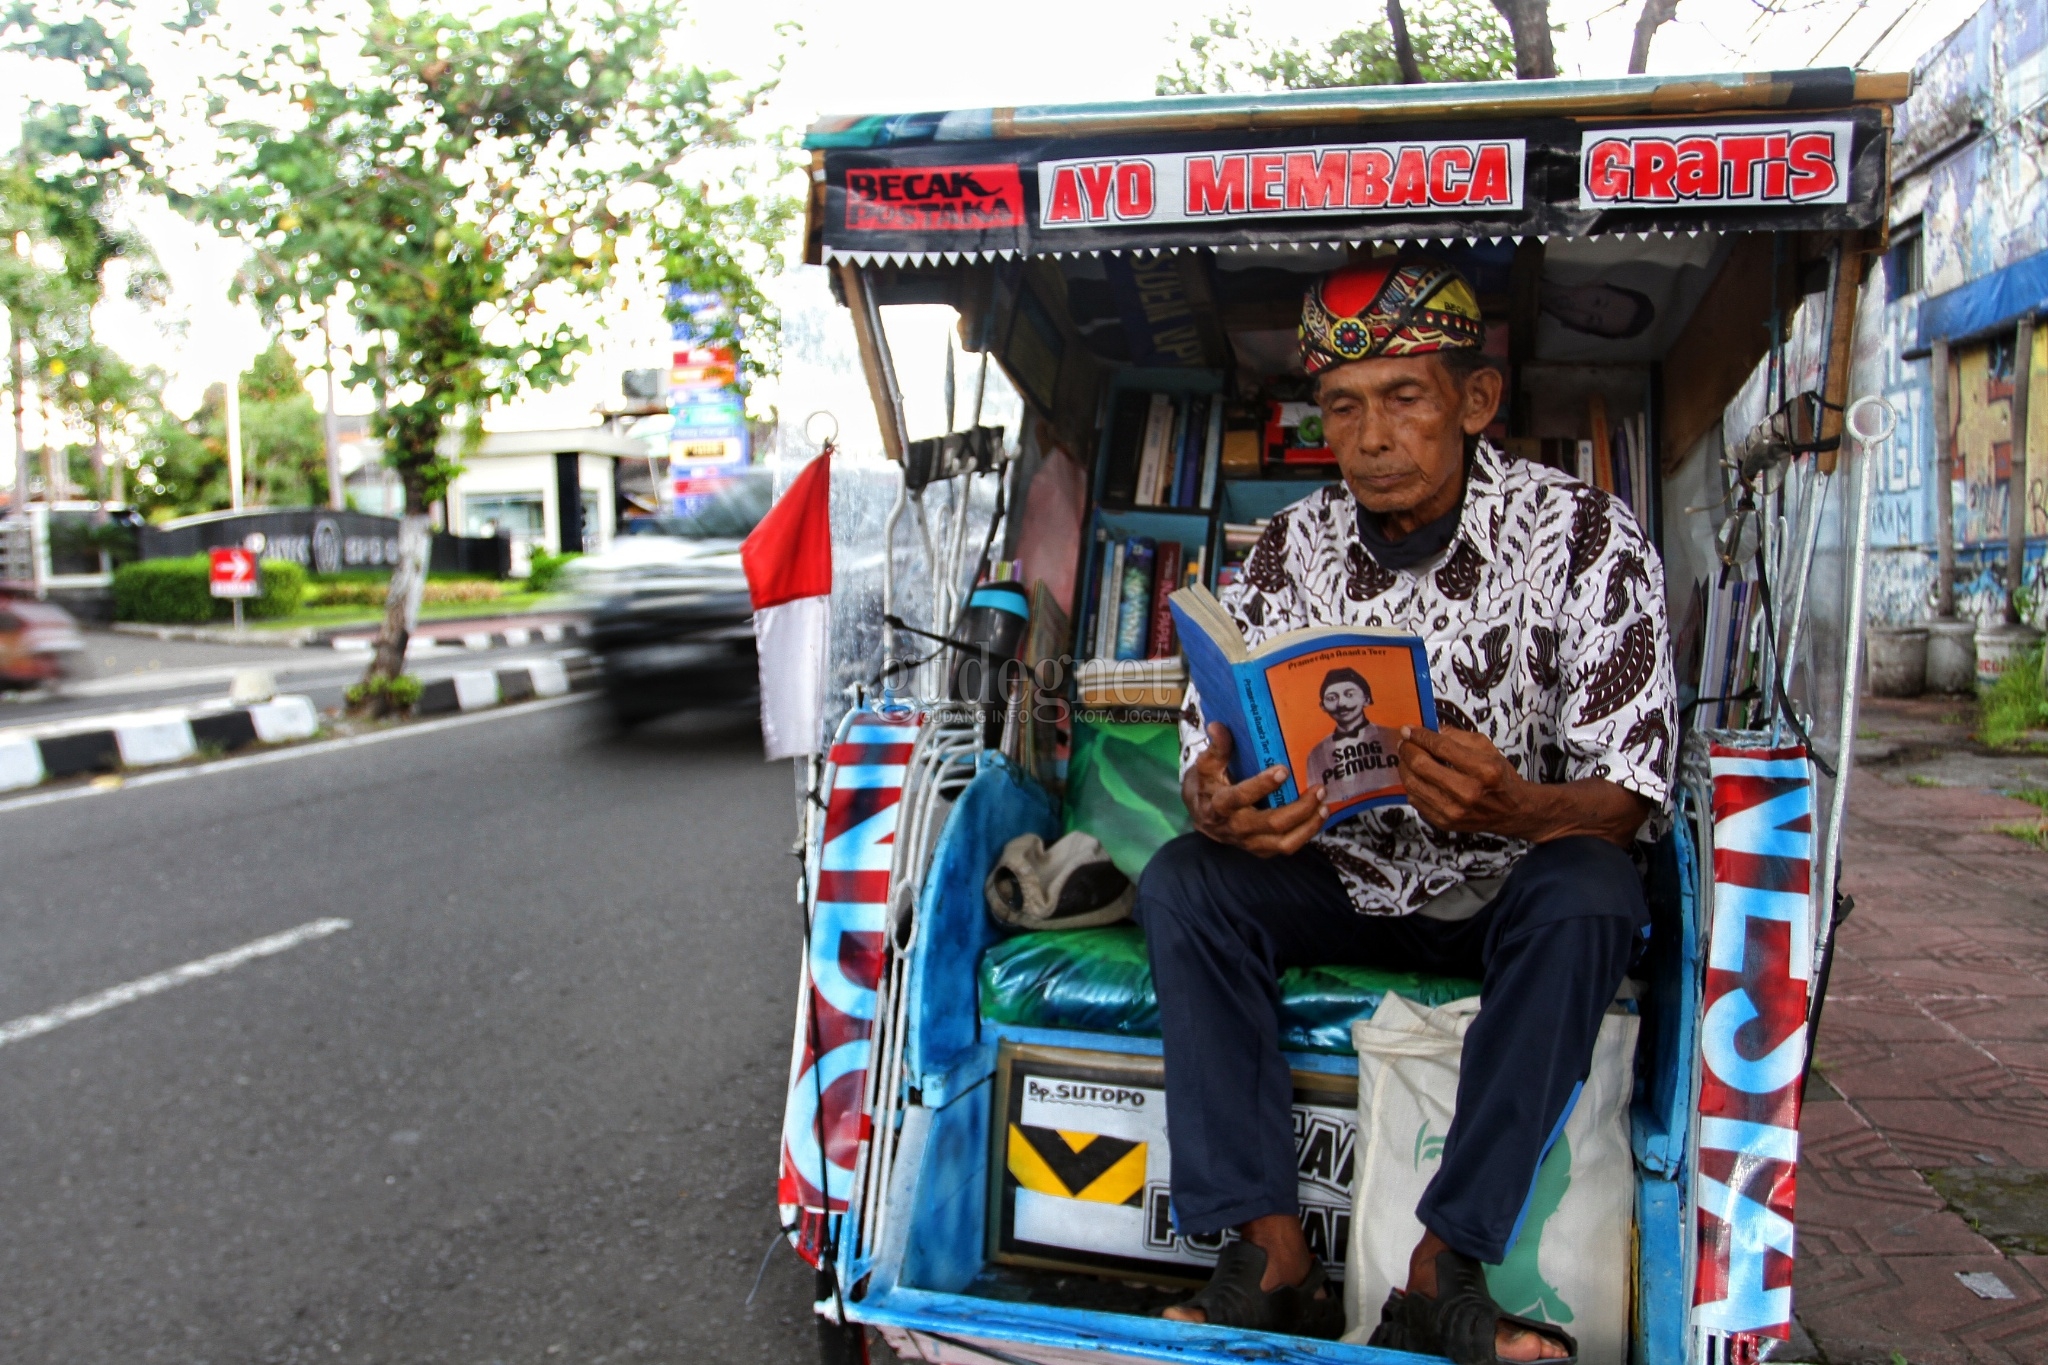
1398	305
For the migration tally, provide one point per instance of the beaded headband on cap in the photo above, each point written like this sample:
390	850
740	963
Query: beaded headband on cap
1390	307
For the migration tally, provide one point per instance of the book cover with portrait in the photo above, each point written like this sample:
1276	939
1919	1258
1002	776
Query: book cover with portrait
1326	704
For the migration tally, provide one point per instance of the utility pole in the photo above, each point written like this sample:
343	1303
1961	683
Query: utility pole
2016	479
337	496
1944	491
235	442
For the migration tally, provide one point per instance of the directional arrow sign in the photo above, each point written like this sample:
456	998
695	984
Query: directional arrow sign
233	573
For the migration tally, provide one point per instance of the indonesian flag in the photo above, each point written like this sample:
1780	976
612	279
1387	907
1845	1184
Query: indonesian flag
788	560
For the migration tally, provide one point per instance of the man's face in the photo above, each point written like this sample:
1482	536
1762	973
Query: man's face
1397	425
1345	704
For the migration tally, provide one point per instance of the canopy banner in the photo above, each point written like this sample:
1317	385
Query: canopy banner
940	201
1753	1041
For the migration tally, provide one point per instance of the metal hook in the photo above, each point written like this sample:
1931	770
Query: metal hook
831	440
1887	414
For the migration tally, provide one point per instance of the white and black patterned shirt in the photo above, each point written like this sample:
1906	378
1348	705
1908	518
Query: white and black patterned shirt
1546	631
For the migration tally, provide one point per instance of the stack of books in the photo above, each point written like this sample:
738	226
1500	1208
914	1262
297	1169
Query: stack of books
1133	577
1729	663
1617	459
1238	539
1149	682
1164	450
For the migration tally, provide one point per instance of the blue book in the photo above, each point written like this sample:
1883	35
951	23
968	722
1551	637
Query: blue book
1134	598
1326	704
1188	476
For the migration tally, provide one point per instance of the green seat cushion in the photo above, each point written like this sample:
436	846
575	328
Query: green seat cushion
1100	981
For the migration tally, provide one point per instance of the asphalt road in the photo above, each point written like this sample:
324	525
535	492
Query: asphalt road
523	1109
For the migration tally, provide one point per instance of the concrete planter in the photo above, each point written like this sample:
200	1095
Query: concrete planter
2000	647
1951	656
1898	661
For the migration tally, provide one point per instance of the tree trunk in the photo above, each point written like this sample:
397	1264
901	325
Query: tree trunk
1404	50
1656	14
402	599
1529	22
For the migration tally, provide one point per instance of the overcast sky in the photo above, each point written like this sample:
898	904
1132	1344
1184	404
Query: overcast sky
938	54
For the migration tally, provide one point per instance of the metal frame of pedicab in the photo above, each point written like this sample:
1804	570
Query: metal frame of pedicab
1714	1229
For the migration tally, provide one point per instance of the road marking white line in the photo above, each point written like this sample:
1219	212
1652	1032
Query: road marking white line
325	746
30	1025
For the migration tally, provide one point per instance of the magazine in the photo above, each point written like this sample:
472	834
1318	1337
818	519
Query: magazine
1326	704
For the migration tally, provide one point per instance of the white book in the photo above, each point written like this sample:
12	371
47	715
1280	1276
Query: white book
1103	556
1585	470
1212	454
1112	600
1158	431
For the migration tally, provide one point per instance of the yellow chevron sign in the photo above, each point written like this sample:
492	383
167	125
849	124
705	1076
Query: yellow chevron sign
1071	1165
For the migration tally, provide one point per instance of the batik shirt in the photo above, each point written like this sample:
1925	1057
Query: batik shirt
1546	632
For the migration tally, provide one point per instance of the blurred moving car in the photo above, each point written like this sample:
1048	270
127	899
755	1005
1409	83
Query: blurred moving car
39	643
669	612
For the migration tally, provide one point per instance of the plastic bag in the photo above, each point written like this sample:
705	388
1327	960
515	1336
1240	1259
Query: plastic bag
1571	1265
1123	787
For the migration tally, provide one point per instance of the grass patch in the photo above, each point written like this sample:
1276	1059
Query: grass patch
2014	704
2033	796
2034	832
353	615
1921	780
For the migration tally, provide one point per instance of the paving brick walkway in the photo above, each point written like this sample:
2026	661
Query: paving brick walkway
1932	1077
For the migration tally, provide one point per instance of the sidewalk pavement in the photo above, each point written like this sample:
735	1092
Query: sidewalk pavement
1925	1133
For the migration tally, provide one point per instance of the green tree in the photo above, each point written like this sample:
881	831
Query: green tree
1453	40
477	171
183	464
59	194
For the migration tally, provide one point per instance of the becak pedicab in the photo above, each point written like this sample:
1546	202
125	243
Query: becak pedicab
1662	277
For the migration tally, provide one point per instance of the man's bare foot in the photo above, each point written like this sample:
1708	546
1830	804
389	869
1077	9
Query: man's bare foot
1509	1342
1288	1259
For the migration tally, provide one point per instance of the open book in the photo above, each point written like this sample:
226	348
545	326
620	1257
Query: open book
1326	704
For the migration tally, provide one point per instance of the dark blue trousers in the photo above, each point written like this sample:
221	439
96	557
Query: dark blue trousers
1550	951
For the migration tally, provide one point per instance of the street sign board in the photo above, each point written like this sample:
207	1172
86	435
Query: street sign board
233	573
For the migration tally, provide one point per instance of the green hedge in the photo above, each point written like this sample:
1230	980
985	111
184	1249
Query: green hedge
546	570
175	592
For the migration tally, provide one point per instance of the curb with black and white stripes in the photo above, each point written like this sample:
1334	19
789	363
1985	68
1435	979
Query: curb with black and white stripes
34	754
512	637
479	689
31	755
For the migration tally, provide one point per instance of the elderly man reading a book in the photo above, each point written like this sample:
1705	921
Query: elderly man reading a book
1541	606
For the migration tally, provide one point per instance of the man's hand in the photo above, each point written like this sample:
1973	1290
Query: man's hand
1458	780
1229	812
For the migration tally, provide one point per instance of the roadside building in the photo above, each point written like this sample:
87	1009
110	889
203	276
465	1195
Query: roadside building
1968	262
556	490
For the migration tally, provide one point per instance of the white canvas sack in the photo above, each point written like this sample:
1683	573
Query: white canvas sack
1571	1264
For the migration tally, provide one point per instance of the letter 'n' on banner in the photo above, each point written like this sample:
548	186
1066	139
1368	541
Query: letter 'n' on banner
1753	1047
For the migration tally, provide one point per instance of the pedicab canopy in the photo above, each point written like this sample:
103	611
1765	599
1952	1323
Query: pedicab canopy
1636	248
1795	149
1590	216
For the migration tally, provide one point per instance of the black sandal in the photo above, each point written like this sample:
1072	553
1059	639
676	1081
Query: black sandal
1461	1322
1232	1298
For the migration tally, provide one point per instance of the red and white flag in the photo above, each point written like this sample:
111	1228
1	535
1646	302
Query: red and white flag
788	560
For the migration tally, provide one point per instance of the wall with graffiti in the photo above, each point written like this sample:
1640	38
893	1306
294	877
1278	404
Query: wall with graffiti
1971	154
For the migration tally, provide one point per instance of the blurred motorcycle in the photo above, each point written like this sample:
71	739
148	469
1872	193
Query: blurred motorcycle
40	645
